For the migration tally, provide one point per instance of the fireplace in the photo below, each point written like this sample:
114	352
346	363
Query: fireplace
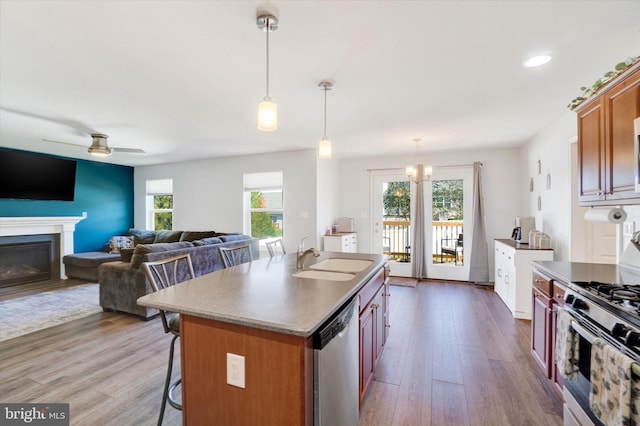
56	229
29	258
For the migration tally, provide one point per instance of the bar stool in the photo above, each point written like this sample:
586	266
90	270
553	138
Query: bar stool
162	274
272	247
232	256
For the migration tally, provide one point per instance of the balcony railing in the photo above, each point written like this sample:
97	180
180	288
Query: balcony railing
396	238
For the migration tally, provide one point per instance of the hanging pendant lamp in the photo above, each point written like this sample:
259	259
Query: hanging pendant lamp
324	149
267	109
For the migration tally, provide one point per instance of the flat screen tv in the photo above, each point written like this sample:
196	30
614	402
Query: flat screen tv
28	176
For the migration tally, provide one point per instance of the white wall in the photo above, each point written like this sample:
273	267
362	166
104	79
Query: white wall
328	195
208	194
552	147
503	189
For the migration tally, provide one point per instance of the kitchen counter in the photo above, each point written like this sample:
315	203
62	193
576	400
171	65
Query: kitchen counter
261	313
573	272
263	294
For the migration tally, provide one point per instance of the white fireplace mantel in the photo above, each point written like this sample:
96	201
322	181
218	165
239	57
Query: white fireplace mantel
63	225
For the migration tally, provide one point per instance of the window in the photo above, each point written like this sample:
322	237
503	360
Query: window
160	204
263	195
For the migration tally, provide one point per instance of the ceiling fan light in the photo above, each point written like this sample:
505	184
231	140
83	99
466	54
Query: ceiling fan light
99	151
267	115
324	149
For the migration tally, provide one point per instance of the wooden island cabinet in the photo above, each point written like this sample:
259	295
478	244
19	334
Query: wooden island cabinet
606	142
374	326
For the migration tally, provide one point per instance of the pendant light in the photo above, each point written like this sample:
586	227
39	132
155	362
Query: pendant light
267	109
324	149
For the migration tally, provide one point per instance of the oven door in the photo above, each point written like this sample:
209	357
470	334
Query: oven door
576	391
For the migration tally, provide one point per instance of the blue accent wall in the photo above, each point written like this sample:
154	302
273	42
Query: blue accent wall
104	191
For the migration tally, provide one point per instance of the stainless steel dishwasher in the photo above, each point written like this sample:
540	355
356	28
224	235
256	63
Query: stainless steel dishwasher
335	357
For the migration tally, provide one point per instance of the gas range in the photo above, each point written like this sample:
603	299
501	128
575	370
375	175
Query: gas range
609	311
619	299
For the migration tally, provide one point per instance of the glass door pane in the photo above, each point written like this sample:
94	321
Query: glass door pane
449	200
391	207
447	222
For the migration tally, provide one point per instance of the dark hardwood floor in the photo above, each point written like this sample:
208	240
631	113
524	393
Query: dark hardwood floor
454	356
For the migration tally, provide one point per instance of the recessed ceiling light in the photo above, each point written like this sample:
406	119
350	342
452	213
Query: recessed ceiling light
536	61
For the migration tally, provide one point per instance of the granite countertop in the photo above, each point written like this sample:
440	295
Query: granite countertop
263	294
575	272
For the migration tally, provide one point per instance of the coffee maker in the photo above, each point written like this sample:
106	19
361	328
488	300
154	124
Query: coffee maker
524	224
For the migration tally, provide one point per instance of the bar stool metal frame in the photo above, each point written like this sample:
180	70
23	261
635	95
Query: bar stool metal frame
162	274
232	256
272	247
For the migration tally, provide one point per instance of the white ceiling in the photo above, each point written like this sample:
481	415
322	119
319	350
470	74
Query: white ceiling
182	79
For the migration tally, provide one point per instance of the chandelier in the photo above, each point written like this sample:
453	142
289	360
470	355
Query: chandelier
418	172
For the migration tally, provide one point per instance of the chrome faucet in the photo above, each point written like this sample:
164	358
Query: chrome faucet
302	253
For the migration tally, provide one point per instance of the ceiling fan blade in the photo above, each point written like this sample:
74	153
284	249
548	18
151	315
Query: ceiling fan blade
64	143
129	150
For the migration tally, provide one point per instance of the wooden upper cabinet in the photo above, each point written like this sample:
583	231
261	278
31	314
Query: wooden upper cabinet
605	142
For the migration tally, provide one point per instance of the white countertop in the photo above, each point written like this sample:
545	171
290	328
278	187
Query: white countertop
263	294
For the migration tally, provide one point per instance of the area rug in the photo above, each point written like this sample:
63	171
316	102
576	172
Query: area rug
403	281
27	314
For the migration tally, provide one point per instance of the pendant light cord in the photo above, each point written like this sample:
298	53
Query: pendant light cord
268	30
325	112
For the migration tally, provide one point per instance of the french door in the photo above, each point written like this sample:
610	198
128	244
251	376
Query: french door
391	214
447	202
449	228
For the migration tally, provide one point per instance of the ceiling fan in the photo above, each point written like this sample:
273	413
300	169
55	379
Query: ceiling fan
100	148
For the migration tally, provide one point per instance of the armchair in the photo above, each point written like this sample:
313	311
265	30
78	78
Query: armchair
452	246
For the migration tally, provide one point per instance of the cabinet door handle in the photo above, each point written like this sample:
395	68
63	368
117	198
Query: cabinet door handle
500	272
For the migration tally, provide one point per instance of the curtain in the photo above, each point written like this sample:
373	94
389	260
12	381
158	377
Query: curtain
479	257
418	240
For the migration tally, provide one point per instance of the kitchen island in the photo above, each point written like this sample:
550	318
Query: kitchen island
261	312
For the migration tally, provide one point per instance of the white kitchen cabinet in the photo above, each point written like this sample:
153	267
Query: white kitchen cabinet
342	242
513	275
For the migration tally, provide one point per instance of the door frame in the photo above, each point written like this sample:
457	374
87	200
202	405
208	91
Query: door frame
398	269
444	271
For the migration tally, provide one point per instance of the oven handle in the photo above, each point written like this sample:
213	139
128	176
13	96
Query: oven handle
590	337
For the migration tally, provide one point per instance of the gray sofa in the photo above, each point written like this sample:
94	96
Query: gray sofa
123	282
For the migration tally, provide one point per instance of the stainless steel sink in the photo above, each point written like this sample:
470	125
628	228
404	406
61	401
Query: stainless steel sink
324	275
342	265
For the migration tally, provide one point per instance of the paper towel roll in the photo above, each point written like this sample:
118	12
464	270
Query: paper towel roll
614	215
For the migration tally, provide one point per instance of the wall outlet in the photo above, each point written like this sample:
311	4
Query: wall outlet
235	370
628	229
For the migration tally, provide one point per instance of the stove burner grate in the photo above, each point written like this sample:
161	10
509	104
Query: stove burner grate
625	297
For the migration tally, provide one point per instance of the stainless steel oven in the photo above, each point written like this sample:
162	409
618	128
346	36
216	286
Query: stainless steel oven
596	313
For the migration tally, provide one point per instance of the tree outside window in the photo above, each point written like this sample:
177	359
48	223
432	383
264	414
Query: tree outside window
266	214
448	200
163	212
397	200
